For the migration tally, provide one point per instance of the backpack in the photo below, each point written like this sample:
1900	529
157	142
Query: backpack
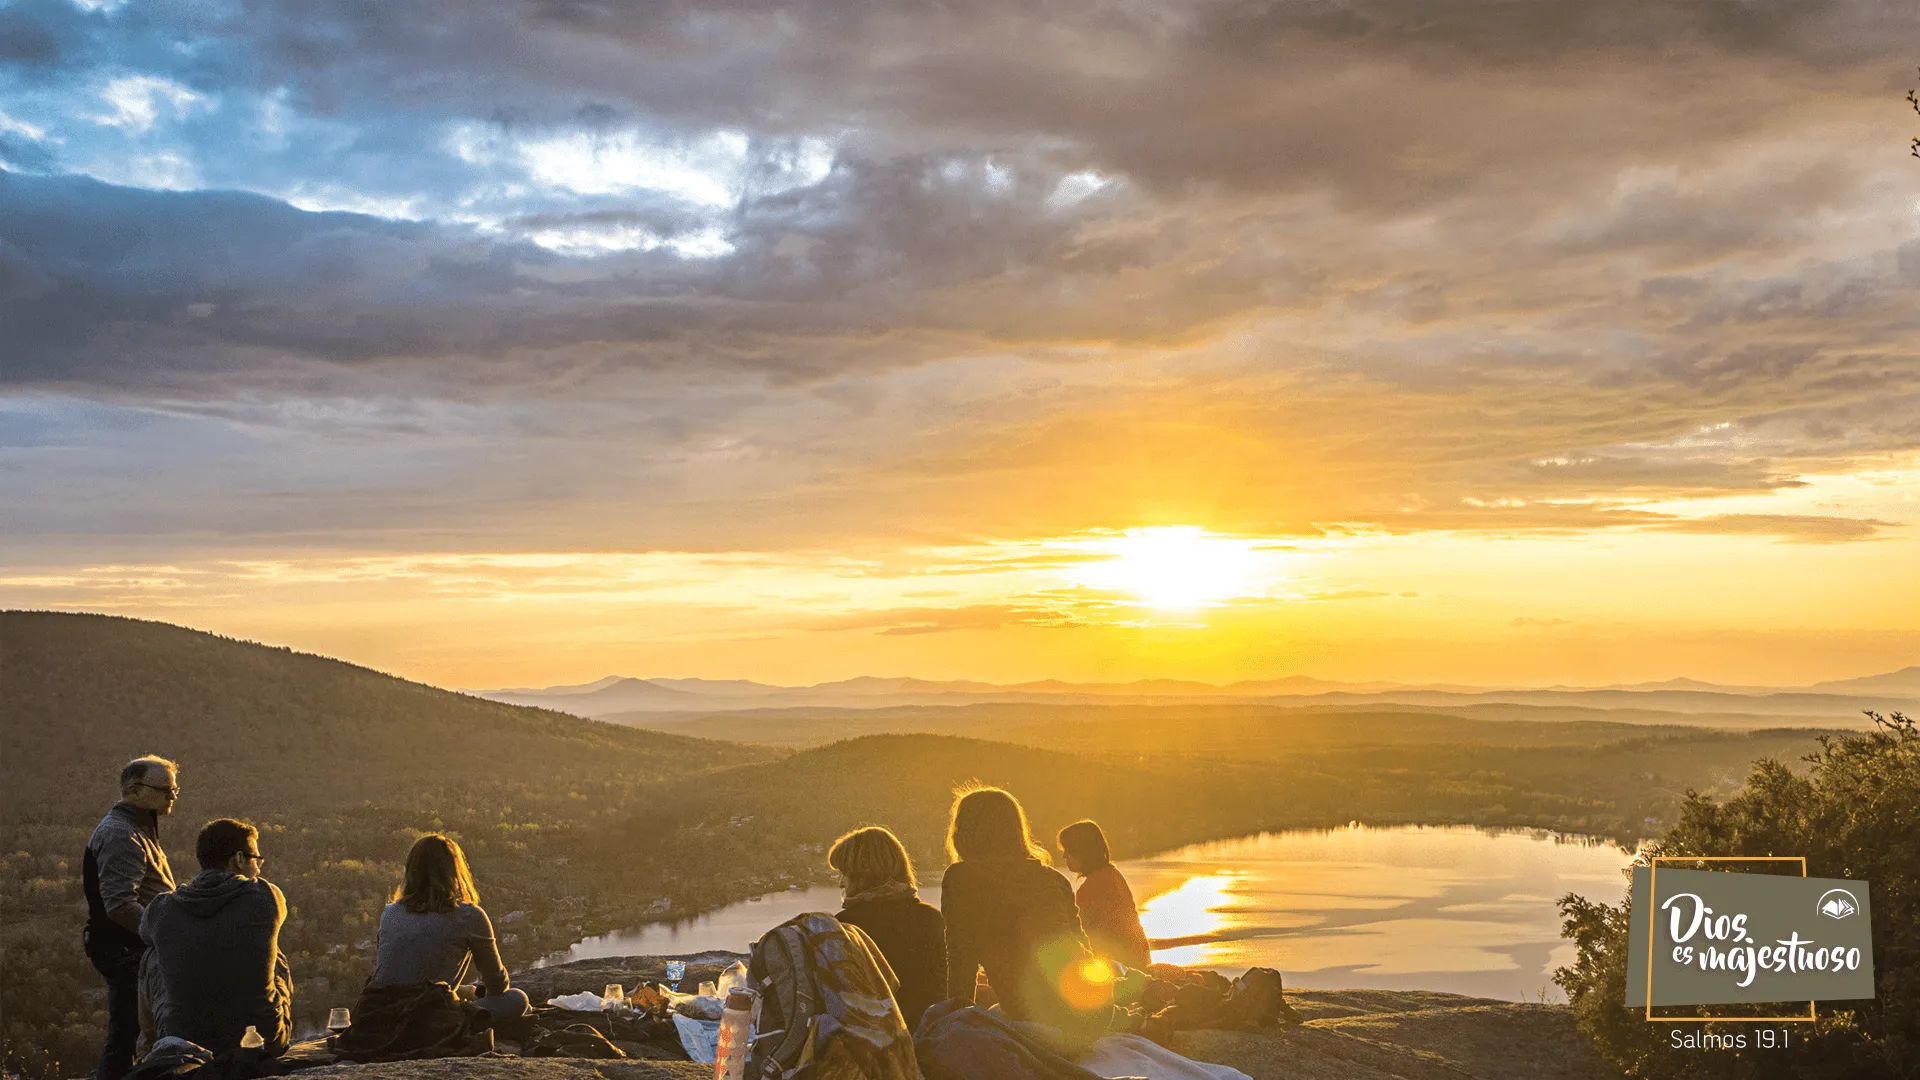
825	1007
1258	1000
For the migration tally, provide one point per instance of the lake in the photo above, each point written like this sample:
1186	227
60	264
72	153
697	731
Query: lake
1449	908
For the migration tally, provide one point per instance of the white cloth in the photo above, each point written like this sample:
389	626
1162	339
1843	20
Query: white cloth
584	1001
699	1038
700	1007
1133	1055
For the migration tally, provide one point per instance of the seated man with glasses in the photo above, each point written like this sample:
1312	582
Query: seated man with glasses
216	944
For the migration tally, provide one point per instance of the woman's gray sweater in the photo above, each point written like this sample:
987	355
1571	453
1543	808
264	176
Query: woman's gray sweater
430	947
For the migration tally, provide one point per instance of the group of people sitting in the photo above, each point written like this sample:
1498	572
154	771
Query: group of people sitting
1004	911
201	961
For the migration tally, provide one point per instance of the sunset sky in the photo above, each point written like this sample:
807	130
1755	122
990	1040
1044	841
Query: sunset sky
514	343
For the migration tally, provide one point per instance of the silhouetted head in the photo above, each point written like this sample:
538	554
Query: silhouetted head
1085	847
437	877
150	783
870	857
988	823
229	845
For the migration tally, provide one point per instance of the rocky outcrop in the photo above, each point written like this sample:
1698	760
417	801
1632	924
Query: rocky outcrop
1411	1035
1348	1035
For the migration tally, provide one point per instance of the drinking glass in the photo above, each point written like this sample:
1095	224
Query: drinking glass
708	989
614	994
676	970
339	1020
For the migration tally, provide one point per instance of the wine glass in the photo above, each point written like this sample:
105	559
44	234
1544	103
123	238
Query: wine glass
676	970
339	1020
614	995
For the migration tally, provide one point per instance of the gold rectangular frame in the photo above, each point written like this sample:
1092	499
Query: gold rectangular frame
1653	892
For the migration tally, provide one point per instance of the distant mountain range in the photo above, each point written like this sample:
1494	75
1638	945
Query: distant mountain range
617	695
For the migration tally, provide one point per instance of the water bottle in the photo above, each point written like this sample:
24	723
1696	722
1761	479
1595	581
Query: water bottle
736	1036
252	1040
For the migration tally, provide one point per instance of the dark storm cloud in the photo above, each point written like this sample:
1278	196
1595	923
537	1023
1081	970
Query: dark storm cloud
114	285
20	152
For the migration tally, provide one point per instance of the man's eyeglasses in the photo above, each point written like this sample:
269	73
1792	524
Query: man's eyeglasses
171	791
255	858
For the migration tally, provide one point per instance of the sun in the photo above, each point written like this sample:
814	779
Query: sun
1176	567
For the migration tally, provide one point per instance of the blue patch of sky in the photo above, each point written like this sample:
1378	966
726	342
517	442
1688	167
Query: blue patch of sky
182	96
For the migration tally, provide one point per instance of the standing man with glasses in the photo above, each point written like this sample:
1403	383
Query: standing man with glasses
125	869
216	947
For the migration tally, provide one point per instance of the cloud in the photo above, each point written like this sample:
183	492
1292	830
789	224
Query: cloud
1346	594
910	622
137	100
1797	528
1286	267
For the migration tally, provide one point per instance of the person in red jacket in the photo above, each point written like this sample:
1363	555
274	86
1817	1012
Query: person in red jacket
1106	903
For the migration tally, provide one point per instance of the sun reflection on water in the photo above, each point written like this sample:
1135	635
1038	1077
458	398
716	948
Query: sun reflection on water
1447	908
1200	908
1197	907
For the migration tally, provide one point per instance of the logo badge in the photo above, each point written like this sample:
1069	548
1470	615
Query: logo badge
1838	904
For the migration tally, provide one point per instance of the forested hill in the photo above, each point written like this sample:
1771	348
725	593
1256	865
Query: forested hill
259	729
341	767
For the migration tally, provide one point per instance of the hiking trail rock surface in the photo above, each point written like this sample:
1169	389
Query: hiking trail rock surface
1348	1035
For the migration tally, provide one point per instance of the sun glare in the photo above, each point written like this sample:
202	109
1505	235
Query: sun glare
1176	567
1195	909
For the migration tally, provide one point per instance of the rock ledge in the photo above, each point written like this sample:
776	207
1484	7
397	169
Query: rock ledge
1348	1035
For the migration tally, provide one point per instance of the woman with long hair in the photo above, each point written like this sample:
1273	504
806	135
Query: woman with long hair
883	898
435	931
1106	903
1011	914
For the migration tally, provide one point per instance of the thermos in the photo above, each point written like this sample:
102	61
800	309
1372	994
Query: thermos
736	1036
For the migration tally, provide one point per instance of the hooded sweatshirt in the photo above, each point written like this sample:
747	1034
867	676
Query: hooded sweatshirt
1015	918
216	942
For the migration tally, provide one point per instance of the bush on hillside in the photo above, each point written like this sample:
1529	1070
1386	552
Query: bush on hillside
1854	814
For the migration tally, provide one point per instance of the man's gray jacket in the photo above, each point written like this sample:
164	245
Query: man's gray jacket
124	869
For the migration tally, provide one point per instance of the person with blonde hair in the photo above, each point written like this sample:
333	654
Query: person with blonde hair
435	930
1012	915
882	898
1107	909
